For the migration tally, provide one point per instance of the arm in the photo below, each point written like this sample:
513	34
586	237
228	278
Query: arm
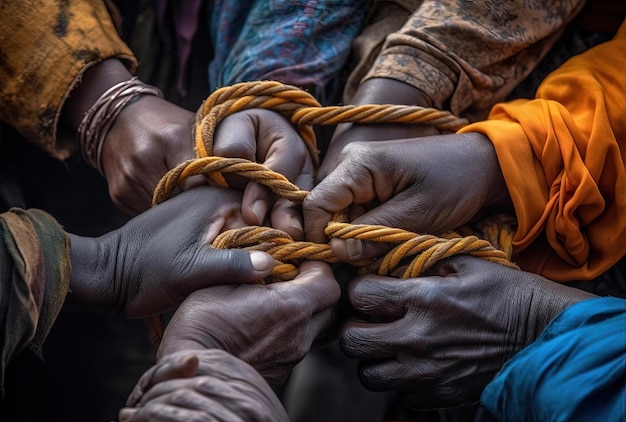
46	48
562	158
35	274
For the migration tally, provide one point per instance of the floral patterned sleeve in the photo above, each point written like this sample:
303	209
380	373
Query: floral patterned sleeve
468	56
45	46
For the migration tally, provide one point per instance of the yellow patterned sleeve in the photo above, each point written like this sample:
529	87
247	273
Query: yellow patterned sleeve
45	46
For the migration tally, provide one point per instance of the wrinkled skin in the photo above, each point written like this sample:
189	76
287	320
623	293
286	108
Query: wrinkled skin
266	137
154	261
271	327
439	339
207	385
149	137
377	91
431	186
152	136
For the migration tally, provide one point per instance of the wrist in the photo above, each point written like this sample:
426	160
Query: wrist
95	81
173	346
92	284
390	91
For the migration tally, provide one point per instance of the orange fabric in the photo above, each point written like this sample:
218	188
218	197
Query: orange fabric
45	46
562	156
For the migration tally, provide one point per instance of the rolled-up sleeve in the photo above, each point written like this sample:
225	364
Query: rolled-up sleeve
468	55
45	46
562	155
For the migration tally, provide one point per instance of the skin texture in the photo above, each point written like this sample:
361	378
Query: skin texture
151	136
155	260
396	184
266	137
271	327
440	339
377	91
207	385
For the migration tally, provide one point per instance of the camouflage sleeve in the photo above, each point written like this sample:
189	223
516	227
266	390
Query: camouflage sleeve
34	278
468	56
45	46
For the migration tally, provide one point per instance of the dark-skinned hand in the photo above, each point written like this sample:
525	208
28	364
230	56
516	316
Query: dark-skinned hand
266	137
377	91
271	327
154	261
431	186
439	340
202	385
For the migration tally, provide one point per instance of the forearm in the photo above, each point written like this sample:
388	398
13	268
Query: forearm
47	47
92	285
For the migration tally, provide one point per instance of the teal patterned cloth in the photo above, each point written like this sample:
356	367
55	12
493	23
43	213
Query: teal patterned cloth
298	42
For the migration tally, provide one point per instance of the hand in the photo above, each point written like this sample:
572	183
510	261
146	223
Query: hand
149	137
271	327
432	186
154	261
377	91
268	138
202	385
439	340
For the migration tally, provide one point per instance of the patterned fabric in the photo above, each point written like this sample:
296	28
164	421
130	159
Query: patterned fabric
573	372
562	156
34	278
45	48
465	55
300	42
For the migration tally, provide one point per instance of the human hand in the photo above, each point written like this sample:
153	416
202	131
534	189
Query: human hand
268	138
434	185
148	138
439	340
154	261
271	327
202	385
377	91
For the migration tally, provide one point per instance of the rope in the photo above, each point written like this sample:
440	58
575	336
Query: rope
412	254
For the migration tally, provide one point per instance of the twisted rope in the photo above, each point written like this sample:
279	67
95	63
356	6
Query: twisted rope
413	254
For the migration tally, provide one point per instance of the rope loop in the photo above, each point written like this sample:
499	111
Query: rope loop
410	253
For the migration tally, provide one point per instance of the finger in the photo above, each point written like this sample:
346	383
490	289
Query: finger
213	266
287	216
256	203
379	296
343	187
352	250
384	375
184	366
316	284
365	340
162	412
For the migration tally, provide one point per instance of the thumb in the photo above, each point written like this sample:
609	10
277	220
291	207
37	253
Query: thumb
213	266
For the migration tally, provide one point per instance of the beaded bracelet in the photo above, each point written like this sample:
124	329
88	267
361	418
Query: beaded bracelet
99	119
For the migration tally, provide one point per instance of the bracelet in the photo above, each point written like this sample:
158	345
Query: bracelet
99	119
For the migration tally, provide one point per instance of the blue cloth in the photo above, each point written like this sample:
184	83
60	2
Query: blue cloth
298	42
575	371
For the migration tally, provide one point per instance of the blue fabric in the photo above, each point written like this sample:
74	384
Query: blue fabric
299	42
575	371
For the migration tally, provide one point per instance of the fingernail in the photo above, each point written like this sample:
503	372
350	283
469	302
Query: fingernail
261	261
259	208
354	248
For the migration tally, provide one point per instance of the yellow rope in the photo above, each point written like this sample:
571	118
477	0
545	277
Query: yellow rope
413	254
